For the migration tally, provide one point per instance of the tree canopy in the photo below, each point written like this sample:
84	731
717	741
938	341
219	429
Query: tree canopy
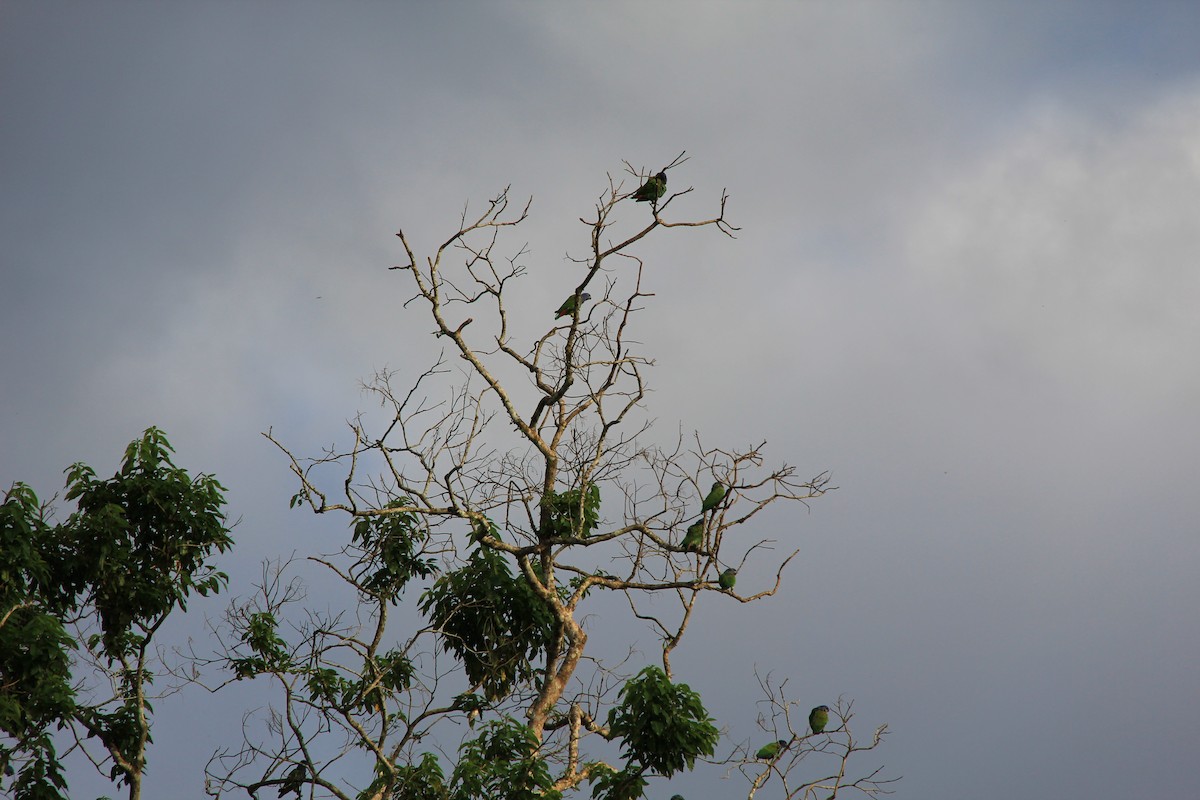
82	601
498	496
518	492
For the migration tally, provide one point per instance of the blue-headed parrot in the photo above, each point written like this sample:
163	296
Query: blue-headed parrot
652	190
293	781
694	539
770	751
818	718
568	306
714	497
728	578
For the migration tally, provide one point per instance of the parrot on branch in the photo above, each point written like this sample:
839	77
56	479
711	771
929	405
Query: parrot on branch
652	190
770	751
293	781
728	578
568	306
818	718
714	497
695	536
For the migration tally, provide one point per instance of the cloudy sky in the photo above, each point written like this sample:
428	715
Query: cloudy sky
967	283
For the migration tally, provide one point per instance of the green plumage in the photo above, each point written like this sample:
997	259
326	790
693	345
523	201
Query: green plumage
293	781
569	305
714	497
694	539
770	751
728	578
653	189
818	718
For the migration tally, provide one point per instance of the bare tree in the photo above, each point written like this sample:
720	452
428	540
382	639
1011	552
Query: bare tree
514	480
808	763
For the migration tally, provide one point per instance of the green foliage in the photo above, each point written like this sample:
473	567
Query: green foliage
395	670
470	702
133	551
482	529
325	686
270	650
423	780
663	726
494	622
391	544
391	672
35	667
23	538
35	650
503	764
40	778
122	730
139	541
573	513
611	784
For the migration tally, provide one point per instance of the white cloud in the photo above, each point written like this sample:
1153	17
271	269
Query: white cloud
1078	243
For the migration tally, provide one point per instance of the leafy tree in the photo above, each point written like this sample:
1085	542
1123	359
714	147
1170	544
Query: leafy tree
83	600
664	727
517	496
35	662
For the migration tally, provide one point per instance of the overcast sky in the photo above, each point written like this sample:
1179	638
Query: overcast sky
967	283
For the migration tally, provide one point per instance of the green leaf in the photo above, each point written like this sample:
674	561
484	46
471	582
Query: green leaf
141	540
663	726
572	514
611	784
493	622
503	764
390	548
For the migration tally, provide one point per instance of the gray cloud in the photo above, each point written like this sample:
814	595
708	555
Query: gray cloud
964	283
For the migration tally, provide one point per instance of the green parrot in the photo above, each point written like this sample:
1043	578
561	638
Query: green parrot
714	497
568	306
695	536
728	578
653	189
818	718
770	751
293	781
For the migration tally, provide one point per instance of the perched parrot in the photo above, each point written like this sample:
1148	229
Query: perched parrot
653	189
715	495
568	306
695	536
676	797
728	578
768	752
818	718
293	781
